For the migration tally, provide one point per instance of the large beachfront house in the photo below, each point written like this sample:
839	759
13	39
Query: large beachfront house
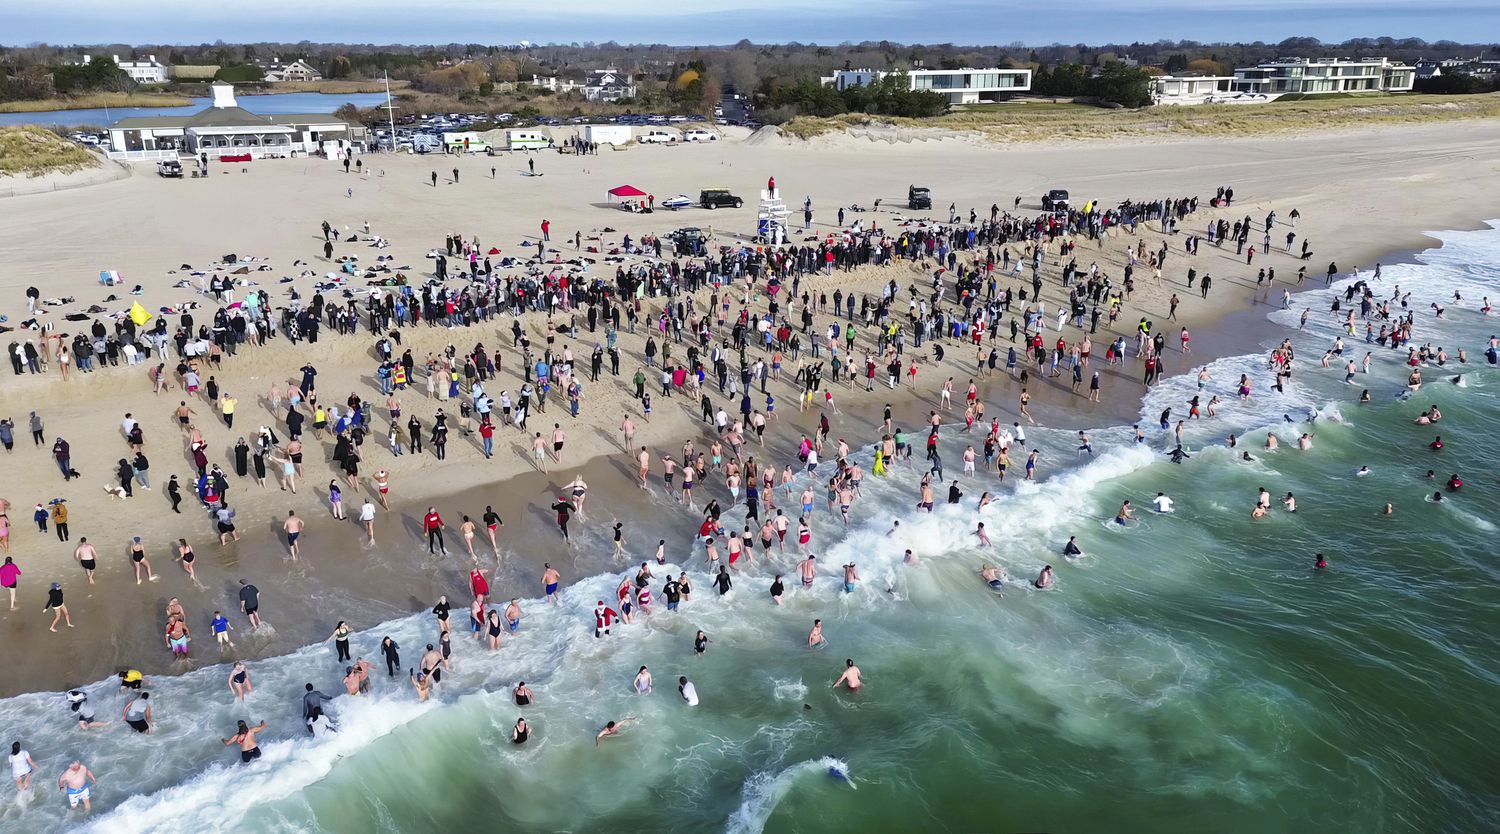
961	86
226	129
299	70
1325	75
1199	89
608	85
141	72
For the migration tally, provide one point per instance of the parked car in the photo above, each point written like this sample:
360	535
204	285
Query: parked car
1055	200
169	168
698	134
712	198
681	201
657	137
918	197
692	235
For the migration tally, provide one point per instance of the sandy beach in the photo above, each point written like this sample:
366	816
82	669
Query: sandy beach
1363	197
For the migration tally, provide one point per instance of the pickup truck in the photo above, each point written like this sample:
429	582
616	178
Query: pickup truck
657	137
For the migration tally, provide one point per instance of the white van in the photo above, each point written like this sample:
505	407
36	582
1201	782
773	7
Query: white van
520	139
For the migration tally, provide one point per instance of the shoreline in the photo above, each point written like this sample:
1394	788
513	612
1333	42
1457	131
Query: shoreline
338	584
398	578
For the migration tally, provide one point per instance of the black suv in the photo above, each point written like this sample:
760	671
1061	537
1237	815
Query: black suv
712	198
1055	200
918	198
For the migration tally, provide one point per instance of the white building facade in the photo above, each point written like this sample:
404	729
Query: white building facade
961	86
226	129
1198	89
1325	75
141	72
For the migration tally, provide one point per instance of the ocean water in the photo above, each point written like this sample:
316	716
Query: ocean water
276	103
1190	672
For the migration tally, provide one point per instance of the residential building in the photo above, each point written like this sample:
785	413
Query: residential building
298	70
141	72
608	85
1198	89
961	86
1325	75
554	83
225	128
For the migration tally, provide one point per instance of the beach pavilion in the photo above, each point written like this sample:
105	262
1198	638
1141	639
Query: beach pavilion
226	129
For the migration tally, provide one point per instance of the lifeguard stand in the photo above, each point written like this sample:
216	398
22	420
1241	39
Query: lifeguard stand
771	223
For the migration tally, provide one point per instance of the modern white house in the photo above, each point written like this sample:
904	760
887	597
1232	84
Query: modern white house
1199	89
141	72
1325	75
297	70
226	129
608	85
555	84
961	86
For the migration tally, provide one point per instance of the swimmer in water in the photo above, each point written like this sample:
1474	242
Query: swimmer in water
1265	499
1162	502
1290	502
984	538
1071	548
1437	497
642	682
994	577
612	728
850	677
1322	563
816	635
1045	578
1245	456
1259	512
1124	514
1389	510
1270	440
521	732
1363	471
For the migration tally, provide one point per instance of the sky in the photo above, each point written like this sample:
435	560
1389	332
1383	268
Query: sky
704	22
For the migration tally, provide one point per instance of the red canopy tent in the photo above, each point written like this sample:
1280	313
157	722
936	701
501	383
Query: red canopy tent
625	191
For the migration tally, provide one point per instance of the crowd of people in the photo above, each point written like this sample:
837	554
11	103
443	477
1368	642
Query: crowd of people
715	325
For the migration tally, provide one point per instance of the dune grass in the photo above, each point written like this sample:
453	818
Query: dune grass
94	101
1047	122
33	151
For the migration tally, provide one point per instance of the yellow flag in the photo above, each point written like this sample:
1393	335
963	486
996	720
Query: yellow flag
138	314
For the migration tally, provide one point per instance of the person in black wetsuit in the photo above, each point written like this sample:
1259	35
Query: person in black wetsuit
564	512
521	732
392	654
